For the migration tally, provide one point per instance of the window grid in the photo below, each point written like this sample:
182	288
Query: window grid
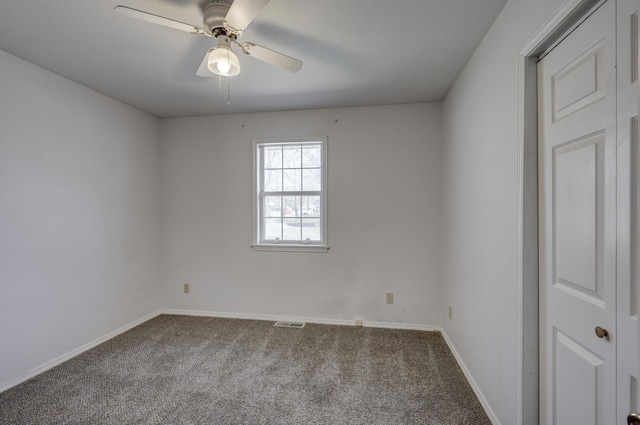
291	216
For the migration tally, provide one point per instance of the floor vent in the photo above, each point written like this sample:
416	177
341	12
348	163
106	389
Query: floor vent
298	325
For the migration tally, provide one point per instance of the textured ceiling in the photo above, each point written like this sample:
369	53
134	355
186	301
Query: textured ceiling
355	52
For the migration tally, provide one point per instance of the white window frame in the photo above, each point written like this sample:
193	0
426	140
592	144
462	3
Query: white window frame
287	246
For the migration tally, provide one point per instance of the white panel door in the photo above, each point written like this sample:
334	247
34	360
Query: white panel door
628	237
577	154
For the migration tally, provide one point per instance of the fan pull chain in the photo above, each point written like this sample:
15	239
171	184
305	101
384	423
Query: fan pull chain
228	80
228	89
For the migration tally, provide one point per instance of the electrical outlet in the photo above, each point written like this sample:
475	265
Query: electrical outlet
389	297
358	323
186	288
450	313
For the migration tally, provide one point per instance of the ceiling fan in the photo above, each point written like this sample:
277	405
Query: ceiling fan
224	20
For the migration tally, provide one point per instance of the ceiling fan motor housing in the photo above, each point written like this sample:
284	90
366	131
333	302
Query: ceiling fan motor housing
215	12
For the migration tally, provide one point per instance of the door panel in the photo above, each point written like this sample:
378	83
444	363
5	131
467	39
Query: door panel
577	367
579	83
576	199
577	171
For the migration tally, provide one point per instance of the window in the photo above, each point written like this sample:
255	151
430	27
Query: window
290	195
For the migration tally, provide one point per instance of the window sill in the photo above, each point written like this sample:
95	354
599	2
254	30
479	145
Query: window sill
290	248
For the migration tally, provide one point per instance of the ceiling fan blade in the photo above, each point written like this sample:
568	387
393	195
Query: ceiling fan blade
159	20
243	12
203	70
274	58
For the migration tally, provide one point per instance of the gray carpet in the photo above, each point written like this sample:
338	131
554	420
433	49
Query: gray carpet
202	370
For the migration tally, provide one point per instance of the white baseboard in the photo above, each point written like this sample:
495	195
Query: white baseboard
483	401
267	317
77	351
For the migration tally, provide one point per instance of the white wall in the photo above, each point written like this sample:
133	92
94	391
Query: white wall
78	216
480	197
384	216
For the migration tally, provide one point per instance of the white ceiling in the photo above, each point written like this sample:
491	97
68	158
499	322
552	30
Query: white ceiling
355	52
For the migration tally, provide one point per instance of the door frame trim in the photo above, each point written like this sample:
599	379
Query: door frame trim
566	18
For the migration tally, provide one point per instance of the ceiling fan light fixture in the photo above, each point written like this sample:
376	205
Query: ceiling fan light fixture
224	20
223	61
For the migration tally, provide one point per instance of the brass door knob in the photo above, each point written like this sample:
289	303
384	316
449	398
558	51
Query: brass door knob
602	333
633	419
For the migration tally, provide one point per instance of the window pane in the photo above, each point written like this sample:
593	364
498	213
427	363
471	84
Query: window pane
291	229
272	206
291	206
312	179
311	156
295	170
272	228
311	229
291	156
272	180
310	206
292	180
272	157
